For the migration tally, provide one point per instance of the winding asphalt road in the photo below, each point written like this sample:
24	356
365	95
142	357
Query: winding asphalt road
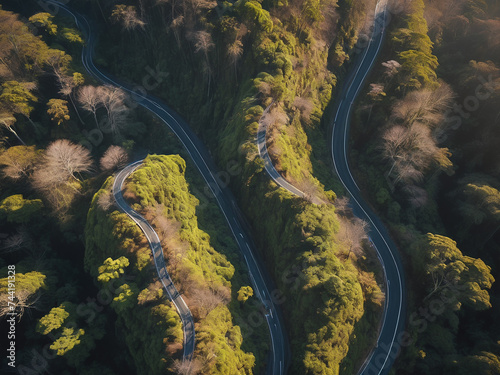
264	155
392	336
261	282
154	243
268	164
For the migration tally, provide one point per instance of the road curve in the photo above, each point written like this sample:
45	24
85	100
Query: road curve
159	260
261	282
268	164
392	336
264	155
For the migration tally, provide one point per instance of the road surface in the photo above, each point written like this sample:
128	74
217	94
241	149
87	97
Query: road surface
261	282
391	336
159	260
264	155
383	355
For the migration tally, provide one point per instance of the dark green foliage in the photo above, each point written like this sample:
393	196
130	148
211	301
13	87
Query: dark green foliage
159	186
18	210
63	326
283	58
460	333
114	235
414	50
445	266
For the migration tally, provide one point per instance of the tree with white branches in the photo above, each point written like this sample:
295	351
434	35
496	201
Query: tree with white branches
127	16
67	158
88	98
352	233
115	157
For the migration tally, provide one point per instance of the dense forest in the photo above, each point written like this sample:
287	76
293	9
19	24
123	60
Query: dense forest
88	301
423	151
236	61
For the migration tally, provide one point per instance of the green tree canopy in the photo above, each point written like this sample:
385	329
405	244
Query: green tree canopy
253	11
58	109
53	320
17	97
447	269
18	161
72	35
245	293
18	210
112	269
44	20
70	337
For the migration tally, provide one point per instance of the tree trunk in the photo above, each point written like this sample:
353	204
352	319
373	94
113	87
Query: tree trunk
76	109
17	136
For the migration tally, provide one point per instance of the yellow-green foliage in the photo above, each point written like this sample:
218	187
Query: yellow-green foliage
112	269
324	299
18	210
295	152
443	265
30	282
148	328
161	180
219	339
62	327
284	58
245	293
53	320
414	47
68	340
139	304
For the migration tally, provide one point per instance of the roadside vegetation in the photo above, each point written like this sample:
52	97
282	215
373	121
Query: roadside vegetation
209	282
91	307
231	61
425	150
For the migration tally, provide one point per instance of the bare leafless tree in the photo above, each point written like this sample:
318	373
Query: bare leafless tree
234	52
16	241
409	142
342	206
89	99
203	43
410	150
127	16
417	196
115	157
22	301
192	367
176	25
67	159
55	176
275	116
426	106
68	84
305	106
169	232
351	233
105	201
113	100
7	120
206	300
391	68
